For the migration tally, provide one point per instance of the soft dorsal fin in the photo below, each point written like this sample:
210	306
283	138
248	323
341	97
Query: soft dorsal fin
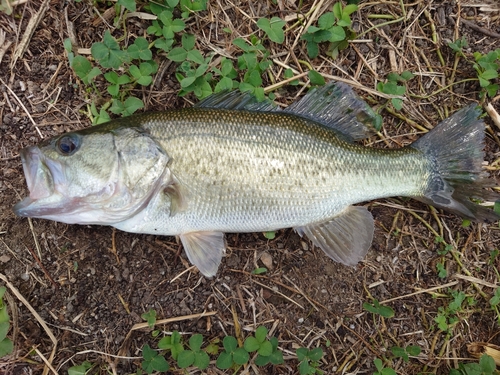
336	106
345	238
236	100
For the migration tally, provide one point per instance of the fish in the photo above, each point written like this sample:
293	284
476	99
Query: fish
232	164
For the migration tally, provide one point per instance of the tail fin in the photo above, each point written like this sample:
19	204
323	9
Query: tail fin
455	151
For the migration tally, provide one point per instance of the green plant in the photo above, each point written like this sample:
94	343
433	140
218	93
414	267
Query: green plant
267	350
486	366
232	354
150	317
253	62
172	343
194	355
153	361
333	27
381	370
404	353
309	360
6	7
447	316
487	66
273	28
6	344
495	302
395	85
377	308
80	369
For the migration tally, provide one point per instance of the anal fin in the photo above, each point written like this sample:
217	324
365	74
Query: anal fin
345	238
204	250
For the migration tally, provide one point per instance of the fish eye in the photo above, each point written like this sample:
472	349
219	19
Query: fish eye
68	144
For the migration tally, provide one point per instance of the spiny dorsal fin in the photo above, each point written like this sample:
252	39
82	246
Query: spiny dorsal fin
336	106
204	250
346	238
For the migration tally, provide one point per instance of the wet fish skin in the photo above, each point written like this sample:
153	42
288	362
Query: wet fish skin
206	170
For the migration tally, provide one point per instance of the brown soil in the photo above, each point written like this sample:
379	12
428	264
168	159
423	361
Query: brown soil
90	297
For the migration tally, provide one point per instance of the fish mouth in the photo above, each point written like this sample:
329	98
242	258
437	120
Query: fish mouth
40	174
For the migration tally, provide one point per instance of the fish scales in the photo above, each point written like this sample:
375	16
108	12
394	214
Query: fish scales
248	171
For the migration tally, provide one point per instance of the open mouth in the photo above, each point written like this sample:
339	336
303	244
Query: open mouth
39	180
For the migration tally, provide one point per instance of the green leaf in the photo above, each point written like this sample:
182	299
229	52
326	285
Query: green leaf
251	344
80	369
378	364
6	347
132	104
261	333
326	21
266	349
301	353
84	70
312	49
337	10
487	364
229	343
270	235
140	50
315	354
337	33
201	360
349	9
212	348
177	54
489	74
195	56
188	41
188	81
259	271
400	352
185	358
240	356
224	361
316	78
273	28
108	53
4	329
253	77
164	44
225	84
305	368
196	341
128	4
406	75
193	5
150	317
376	308
441	322
148	353
240	43
413	350
492	90
397	103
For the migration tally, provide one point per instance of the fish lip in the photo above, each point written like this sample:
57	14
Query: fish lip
40	180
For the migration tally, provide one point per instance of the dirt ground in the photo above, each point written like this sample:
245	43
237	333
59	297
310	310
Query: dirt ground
90	297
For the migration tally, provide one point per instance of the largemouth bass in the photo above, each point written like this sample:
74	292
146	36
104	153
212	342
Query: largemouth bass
232	165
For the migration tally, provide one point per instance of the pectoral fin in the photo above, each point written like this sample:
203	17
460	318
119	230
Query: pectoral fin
204	250
346	238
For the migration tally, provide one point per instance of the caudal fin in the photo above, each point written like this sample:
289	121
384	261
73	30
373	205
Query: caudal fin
455	151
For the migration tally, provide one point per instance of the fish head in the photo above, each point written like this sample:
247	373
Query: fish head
94	176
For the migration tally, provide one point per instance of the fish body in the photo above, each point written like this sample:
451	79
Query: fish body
231	165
